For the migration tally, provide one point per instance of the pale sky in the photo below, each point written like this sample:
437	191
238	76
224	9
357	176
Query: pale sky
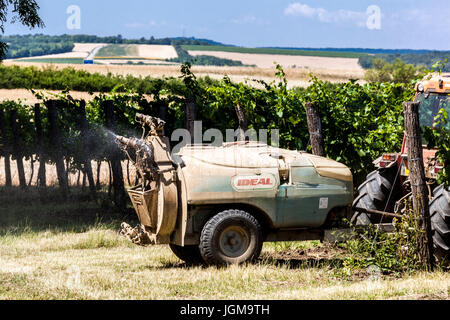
410	24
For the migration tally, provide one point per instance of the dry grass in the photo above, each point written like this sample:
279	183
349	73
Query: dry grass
71	250
99	264
52	179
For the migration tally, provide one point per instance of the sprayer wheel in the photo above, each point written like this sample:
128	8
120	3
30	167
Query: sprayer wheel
231	237
374	194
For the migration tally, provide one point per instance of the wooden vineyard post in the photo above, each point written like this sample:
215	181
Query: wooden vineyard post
99	167
418	182
85	136
17	149
114	158
42	181
315	129
162	111
6	150
243	123
190	118
56	141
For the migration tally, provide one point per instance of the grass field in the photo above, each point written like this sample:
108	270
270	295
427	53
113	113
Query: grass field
58	250
53	60
116	50
291	52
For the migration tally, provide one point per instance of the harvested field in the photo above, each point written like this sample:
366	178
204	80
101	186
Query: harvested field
295	76
160	52
27	97
140	61
287	61
152	52
87	47
276	51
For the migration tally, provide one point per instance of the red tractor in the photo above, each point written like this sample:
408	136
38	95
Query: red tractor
386	188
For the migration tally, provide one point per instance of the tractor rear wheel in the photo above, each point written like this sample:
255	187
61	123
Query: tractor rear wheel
375	193
189	254
231	237
440	224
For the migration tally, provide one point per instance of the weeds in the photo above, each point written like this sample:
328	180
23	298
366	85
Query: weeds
396	252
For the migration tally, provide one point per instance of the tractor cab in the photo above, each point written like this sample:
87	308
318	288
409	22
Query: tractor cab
433	95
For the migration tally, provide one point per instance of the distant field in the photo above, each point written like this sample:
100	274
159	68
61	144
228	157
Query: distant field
54	60
151	52
291	52
144	60
116	50
286	61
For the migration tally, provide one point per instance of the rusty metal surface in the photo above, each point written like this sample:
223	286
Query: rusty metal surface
155	198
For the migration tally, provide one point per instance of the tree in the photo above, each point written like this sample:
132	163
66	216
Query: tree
397	72
25	11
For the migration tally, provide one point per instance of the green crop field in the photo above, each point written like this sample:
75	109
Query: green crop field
292	52
118	50
54	60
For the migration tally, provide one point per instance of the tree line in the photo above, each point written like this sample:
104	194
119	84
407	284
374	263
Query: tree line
425	60
202	60
31	45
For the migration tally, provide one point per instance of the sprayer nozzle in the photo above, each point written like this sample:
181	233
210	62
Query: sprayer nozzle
123	140
152	122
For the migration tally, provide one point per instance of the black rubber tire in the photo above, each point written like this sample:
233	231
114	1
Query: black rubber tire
440	224
189	254
374	194
213	233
